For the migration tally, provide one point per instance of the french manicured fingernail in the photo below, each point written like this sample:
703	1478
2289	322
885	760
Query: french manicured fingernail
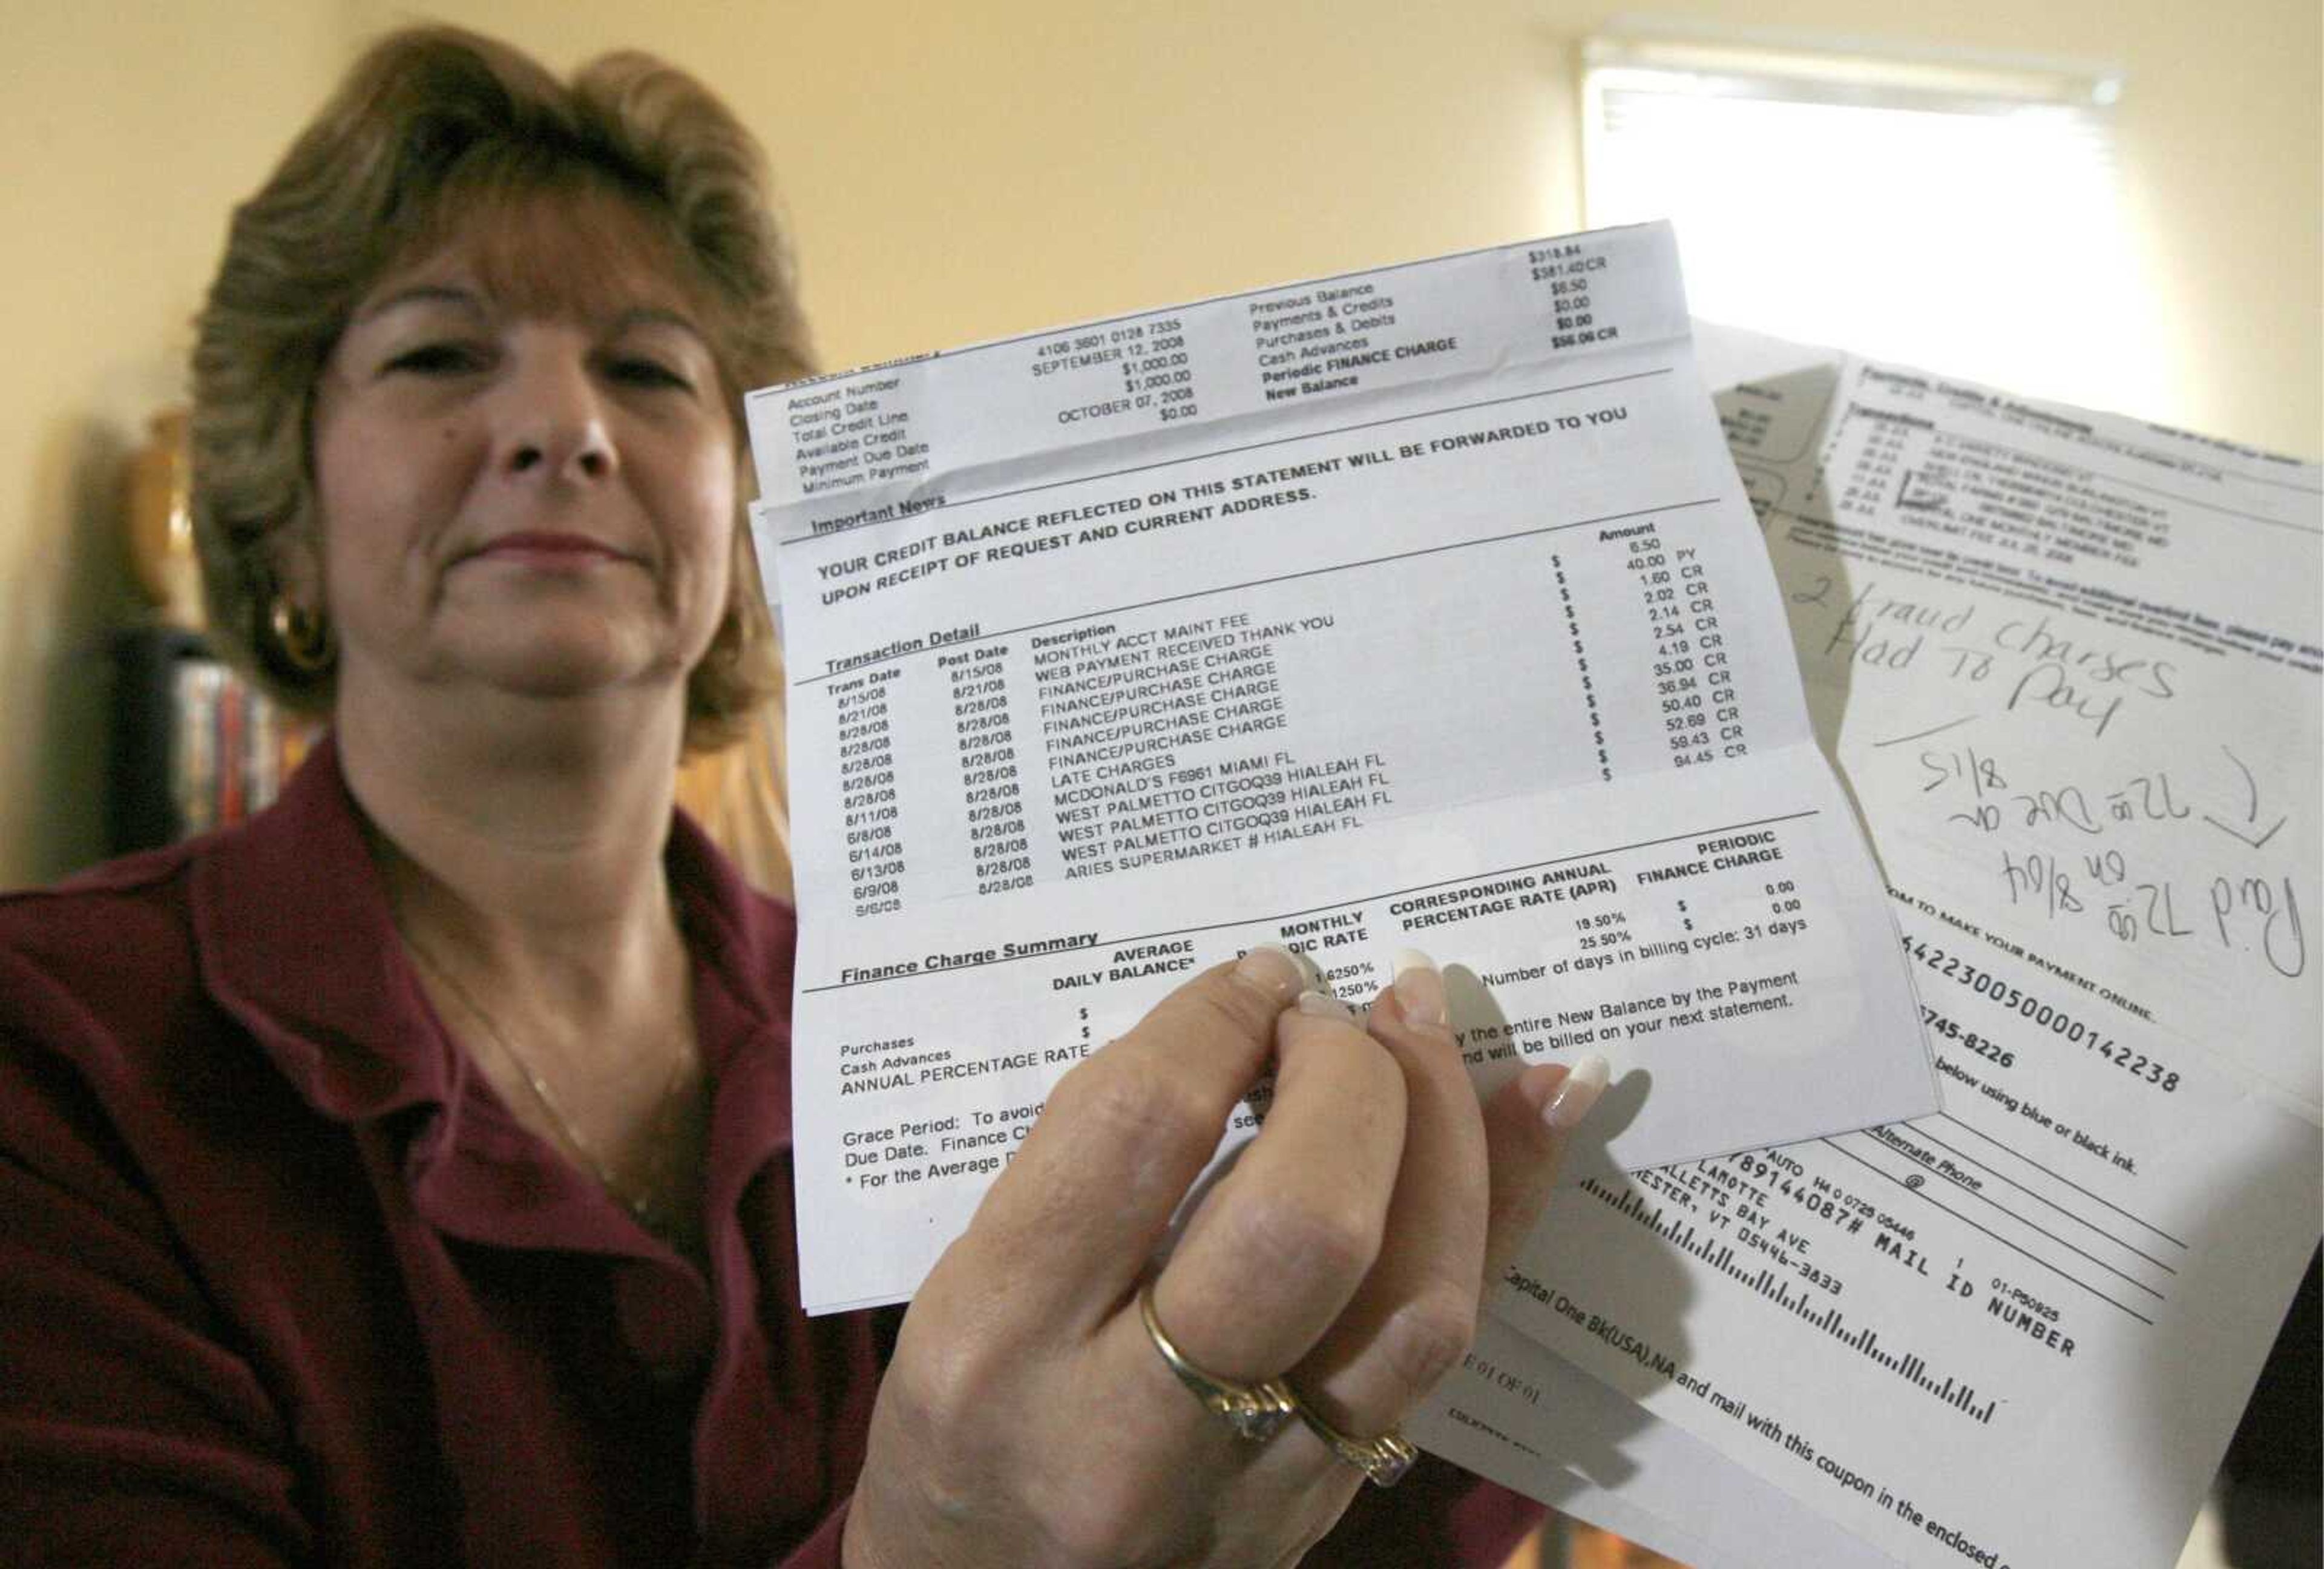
1420	990
1323	1005
1274	969
1573	1099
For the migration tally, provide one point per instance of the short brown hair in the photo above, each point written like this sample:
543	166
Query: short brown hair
429	120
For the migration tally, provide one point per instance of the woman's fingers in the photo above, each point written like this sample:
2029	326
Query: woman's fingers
1353	1239
1528	1122
1415	1311
1068	1224
1278	1246
1471	1188
1347	1249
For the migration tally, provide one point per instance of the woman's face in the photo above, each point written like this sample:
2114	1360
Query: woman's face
525	468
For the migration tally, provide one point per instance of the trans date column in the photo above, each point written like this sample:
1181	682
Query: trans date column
870	812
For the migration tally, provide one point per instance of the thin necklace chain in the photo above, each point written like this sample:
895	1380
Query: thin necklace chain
641	1203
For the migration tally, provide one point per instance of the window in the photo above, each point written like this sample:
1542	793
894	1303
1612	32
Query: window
1962	217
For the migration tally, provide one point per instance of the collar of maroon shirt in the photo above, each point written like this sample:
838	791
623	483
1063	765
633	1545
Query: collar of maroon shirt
297	941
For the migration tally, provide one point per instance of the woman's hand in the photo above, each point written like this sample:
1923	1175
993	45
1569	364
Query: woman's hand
1027	1417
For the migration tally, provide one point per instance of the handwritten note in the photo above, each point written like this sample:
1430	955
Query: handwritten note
2070	665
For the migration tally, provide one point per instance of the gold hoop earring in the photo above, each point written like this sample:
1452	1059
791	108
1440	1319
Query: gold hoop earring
303	636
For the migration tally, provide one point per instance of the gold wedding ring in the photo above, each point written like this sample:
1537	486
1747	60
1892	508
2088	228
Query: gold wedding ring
1255	1411
1383	1460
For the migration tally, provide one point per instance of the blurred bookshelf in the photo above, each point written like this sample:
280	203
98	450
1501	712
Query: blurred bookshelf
194	745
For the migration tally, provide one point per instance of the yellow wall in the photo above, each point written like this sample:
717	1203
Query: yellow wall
960	171
128	130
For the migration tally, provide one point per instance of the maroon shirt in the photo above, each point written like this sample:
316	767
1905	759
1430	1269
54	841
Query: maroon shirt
281	1279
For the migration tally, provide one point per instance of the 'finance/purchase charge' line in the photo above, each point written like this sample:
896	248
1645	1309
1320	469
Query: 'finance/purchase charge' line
1772	1287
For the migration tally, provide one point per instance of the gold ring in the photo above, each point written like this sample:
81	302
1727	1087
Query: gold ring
1255	1411
1383	1460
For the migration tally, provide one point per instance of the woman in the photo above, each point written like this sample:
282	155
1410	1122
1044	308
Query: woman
404	1178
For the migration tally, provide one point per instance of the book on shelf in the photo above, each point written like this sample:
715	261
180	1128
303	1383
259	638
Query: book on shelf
196	746
234	746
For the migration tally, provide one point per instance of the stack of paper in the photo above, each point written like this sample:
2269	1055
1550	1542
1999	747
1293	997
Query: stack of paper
1424	607
2069	664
